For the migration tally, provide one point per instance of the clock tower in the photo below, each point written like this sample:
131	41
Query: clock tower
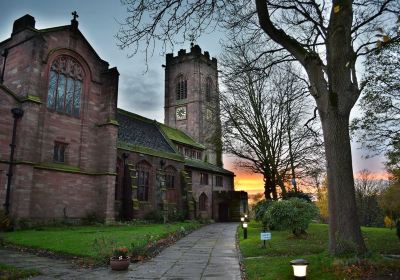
192	99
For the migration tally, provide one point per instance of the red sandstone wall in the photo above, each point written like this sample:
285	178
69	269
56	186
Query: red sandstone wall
173	196
91	139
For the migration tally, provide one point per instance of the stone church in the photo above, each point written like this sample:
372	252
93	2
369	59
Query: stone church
67	151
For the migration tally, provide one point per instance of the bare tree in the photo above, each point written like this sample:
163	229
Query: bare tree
368	188
326	38
264	116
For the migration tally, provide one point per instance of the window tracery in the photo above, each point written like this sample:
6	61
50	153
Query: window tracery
65	86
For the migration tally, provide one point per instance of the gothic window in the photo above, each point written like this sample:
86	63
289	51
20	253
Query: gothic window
181	88
218	181
143	174
65	86
209	86
170	177
203	202
59	152
203	178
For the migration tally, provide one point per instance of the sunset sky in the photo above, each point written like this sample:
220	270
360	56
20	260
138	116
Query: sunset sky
140	91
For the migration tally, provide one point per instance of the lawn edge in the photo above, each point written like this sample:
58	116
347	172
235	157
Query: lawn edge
242	267
88	262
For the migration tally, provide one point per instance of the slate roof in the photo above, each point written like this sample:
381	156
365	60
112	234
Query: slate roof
139	134
139	131
198	164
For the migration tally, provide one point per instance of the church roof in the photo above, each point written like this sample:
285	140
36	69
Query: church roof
179	136
202	165
143	135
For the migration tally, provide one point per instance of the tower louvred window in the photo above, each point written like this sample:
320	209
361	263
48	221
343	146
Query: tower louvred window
65	86
181	88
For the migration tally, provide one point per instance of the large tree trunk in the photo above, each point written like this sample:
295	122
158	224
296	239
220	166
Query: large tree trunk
344	230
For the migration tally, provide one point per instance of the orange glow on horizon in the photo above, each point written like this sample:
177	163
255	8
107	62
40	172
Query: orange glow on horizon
253	182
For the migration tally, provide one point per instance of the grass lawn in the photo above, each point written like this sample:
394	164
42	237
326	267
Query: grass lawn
93	241
272	262
8	272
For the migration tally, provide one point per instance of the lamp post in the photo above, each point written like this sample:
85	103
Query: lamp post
17	114
299	268
244	230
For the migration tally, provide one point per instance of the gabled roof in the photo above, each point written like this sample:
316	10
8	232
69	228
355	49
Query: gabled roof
179	136
40	32
137	131
202	165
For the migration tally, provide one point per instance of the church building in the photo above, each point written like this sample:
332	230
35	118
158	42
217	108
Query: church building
67	151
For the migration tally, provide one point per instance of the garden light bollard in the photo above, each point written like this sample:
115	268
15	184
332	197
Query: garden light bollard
299	268
245	230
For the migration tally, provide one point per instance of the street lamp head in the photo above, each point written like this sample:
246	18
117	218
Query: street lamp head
299	268
242	219
245	216
17	113
245	225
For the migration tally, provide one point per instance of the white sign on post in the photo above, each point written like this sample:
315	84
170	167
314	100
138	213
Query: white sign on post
265	235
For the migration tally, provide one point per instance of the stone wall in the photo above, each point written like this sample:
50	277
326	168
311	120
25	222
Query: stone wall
157	168
85	182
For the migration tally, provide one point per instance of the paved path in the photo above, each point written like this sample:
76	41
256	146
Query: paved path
208	253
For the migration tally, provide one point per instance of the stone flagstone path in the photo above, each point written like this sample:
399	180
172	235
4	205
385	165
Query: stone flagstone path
207	253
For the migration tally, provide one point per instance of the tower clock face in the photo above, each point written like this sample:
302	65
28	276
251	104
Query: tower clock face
181	113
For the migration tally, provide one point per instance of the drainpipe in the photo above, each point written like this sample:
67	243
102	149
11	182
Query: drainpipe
17	114
3	54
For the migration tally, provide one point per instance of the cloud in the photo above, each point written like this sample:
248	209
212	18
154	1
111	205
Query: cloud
142	94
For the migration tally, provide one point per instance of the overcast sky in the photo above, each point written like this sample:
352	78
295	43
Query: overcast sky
140	91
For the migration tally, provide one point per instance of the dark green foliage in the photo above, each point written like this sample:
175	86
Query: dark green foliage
378	128
368	210
259	209
5	222
389	201
299	194
13	273
155	216
294	214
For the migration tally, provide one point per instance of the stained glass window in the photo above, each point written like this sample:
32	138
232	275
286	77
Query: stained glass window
65	86
59	152
143	181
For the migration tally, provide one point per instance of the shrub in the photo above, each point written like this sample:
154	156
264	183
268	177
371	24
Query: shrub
155	216
104	248
298	194
260	208
294	214
5	222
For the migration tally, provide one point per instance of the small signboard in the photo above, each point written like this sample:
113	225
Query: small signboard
265	236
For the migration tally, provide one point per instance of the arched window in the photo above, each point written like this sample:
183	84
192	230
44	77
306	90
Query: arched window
209	87
203	202
170	177
143	174
65	86
181	88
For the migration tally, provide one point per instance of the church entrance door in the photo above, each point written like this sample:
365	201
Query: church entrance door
223	212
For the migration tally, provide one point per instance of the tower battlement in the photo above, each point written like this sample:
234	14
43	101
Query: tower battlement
195	53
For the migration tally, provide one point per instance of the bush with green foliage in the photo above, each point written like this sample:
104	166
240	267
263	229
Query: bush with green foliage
389	201
294	214
299	194
5	222
259	209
